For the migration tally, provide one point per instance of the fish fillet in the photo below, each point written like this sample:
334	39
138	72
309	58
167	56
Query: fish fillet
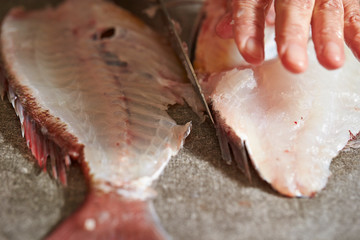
293	125
92	83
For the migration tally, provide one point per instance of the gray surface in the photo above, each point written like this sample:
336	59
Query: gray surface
31	202
199	196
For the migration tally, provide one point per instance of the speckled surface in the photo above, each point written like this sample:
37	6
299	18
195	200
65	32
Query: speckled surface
199	196
31	202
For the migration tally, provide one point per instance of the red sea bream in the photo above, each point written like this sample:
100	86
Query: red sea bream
293	125
91	83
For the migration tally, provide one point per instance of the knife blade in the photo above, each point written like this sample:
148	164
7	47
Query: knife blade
181	52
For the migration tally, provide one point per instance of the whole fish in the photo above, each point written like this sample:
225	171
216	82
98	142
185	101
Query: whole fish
91	83
292	125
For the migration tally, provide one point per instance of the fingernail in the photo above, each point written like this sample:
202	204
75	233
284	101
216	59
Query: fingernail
333	51
254	50
296	55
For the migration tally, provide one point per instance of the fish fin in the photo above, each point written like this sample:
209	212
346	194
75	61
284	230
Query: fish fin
110	216
233	149
3	83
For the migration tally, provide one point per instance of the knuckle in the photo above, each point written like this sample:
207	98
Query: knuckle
249	12
295	31
257	26
251	26
350	4
328	32
254	5
298	4
330	5
352	17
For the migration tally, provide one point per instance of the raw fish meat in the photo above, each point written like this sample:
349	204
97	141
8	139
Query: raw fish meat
92	83
292	125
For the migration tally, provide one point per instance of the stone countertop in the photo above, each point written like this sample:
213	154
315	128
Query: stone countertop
199	196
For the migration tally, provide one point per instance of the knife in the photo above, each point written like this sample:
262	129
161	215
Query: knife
181	52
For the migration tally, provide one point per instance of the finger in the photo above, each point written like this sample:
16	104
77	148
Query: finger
224	28
352	25
327	32
270	17
248	28
292	26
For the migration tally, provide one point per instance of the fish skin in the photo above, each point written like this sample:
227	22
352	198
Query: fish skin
93	86
293	125
106	216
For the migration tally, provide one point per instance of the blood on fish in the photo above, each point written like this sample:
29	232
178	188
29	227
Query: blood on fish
75	31
352	136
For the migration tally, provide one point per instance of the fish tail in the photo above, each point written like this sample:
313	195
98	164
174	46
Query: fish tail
110	216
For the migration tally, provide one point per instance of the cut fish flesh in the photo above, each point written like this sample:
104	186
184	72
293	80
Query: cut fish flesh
92	83
293	125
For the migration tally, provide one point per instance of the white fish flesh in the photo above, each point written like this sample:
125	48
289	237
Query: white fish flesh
293	125
92	83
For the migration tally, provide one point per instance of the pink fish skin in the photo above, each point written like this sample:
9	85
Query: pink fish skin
293	125
93	86
108	216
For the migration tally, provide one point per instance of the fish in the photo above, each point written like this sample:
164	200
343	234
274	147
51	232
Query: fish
91	83
293	125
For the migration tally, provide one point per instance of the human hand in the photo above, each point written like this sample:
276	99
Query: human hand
331	22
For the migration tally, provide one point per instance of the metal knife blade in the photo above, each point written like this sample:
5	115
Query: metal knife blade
176	40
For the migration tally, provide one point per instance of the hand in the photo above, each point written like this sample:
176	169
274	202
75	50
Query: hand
331	22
